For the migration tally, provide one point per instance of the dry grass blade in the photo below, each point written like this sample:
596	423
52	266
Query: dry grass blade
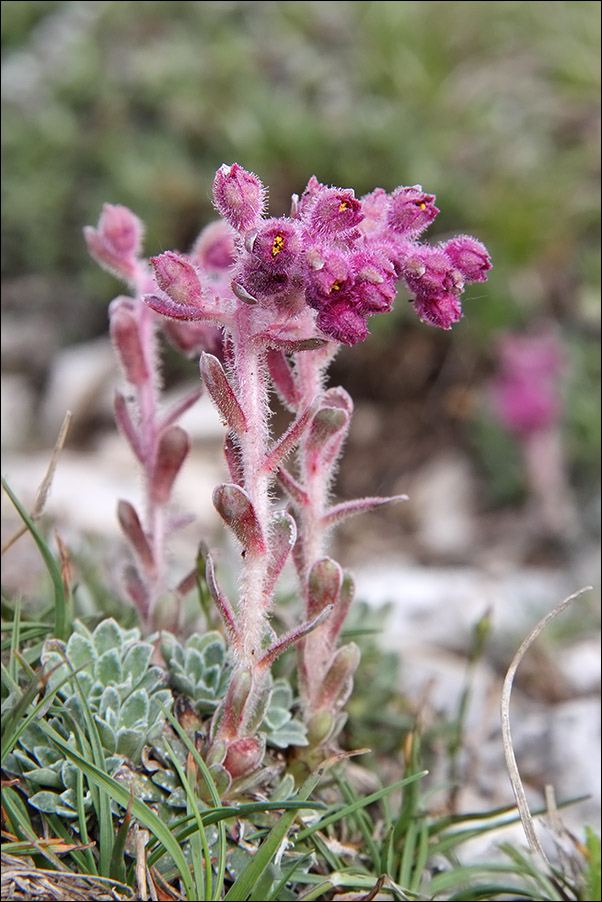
513	772
29	884
44	487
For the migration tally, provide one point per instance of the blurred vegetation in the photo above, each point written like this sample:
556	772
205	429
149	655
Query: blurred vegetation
494	107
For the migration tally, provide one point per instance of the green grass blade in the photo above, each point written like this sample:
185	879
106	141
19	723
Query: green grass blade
592	878
213	792
422	856
360	803
286	878
198	840
247	881
62	604
366	828
21	826
140	809
12	733
83	829
118	867
102	804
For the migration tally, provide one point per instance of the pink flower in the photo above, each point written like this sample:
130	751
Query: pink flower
411	211
525	390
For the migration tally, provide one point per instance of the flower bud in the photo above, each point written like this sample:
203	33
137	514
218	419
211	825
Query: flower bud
116	242
178	278
469	256
238	196
335	211
214	248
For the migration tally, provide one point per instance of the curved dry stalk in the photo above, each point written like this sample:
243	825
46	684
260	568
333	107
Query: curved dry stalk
511	765
44	488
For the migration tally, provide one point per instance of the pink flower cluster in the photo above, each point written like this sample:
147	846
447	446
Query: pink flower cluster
337	255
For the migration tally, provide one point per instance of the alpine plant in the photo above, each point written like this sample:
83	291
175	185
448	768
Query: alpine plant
267	302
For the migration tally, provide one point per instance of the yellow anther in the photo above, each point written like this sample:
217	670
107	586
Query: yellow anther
422	205
336	285
277	245
343	206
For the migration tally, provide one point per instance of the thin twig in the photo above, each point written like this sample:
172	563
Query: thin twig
511	765
44	488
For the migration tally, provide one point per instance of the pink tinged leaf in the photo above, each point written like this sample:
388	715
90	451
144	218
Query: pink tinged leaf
178	278
338	397
291	437
234	507
124	421
233	459
292	345
222	603
327	423
132	529
337	684
292	637
173	449
137	590
126	339
347	509
324	585
244	755
176	522
166	307
320	727
187	583
336	408
296	493
341	608
283	534
232	709
180	407
328	430
282	376
222	393
217	752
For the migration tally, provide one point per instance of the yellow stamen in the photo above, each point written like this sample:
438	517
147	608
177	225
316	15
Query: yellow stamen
343	206
277	245
336	285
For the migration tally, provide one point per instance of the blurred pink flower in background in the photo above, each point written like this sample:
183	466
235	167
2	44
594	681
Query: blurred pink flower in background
527	399
527	388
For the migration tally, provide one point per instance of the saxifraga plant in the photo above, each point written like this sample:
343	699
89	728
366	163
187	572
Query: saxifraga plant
285	292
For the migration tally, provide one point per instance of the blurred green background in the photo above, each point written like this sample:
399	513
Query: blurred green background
493	107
